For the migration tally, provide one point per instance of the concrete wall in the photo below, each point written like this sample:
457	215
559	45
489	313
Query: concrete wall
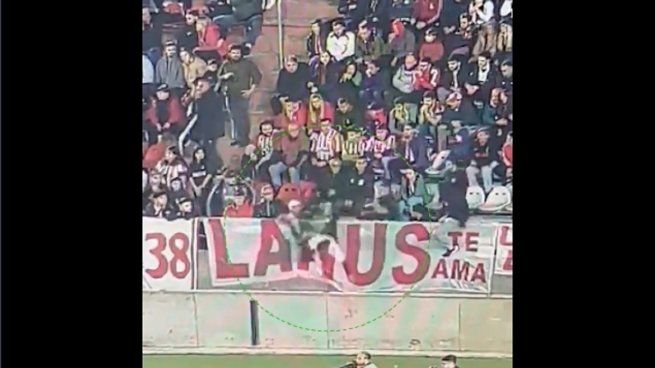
333	322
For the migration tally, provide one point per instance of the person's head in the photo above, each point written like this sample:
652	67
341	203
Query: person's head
429	98
372	67
171	154
154	178
266	127
212	65
202	23
295	207
186	205
315	27
235	53
335	164
482	136
454	100
326	124
488	29
408	132
199	154
316	101
293	129
163	92
364	30
160	199
483	59
146	18
398	103
362	359
202	86
360	164
350	69
381	133
325	57
176	184
191	17
454	62
430	35
286	102
503	96
344	105
267	192
505	28
170	49
410	61
495	96
291	64
449	361
338	27
186	56
464	21
506	68
424	64
509	139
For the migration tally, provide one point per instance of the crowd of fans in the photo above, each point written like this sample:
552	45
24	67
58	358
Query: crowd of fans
397	108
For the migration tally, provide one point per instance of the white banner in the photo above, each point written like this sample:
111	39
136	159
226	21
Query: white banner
504	257
369	256
169	254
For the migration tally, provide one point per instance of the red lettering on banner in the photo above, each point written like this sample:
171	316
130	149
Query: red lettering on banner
454	235
265	258
421	256
478	273
471	238
508	265
353	244
459	272
440	269
224	269
162	262
503	239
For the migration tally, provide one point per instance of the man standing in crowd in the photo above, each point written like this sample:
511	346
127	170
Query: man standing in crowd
207	121
245	12
169	70
193	66
240	78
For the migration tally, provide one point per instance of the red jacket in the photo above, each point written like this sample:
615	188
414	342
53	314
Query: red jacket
434	51
210	39
427	80
176	113
327	113
153	155
423	10
300	117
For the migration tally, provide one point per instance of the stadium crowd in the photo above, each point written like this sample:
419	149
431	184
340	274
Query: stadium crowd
399	110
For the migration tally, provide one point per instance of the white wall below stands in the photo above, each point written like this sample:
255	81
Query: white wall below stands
330	323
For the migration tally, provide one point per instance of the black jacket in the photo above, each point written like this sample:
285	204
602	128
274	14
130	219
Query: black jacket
360	186
267	209
187	38
453	195
294	84
465	113
245	9
211	120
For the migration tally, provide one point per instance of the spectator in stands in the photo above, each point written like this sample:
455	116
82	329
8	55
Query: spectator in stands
425	13
176	192
154	185
210	43
450	16
347	116
324	75
293	78
413	197
459	40
482	79
429	117
208	121
349	82
159	207
241	77
375	117
459	143
147	76
354	145
368	46
485	43
258	154
187	37
426	77
483	162
359	189
431	47
399	116
165	114
403	80
401	41
150	36
453	78
381	150
173	166
250	14
316	41
186	209
503	42
239	205
290	149
340	43
318	110
268	207
335	186
414	152
452	195
325	145
193	66
169	70
292	112
481	11
201	178
506	10
460	109
353	11
373	85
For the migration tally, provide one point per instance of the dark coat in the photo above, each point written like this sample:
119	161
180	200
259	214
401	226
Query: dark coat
211	119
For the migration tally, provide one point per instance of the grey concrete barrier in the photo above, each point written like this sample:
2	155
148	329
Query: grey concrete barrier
223	320
169	320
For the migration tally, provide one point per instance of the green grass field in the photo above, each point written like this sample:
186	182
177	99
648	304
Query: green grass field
297	361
